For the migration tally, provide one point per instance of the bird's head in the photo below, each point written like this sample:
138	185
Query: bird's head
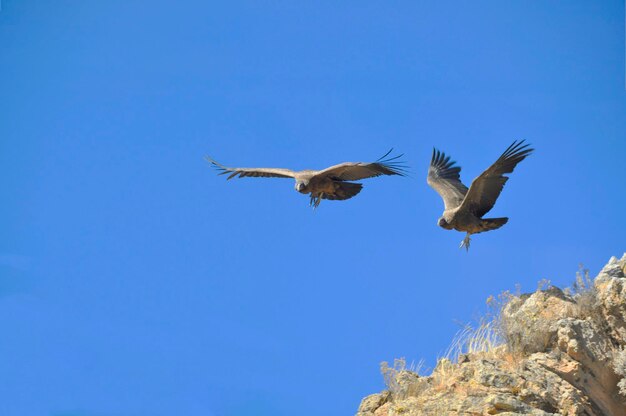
444	224
301	186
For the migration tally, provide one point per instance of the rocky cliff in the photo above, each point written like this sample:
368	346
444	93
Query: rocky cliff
558	353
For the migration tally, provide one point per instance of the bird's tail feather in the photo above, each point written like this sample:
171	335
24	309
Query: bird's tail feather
488	224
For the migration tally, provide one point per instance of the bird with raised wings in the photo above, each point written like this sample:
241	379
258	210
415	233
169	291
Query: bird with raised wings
333	183
464	208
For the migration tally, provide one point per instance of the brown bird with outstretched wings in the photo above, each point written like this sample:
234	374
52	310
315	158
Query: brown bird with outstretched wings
331	183
464	208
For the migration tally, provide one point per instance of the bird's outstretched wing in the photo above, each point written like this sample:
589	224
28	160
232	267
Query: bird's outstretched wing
443	177
353	171
253	172
486	188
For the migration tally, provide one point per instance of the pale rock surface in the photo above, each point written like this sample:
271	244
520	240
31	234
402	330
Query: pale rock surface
564	355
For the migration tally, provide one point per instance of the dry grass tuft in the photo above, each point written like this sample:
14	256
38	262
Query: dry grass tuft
401	381
584	293
483	338
390	374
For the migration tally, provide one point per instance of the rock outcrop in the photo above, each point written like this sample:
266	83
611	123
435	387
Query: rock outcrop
562	353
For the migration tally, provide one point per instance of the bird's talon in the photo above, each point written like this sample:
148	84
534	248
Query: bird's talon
465	243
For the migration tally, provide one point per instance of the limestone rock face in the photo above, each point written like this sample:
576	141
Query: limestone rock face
563	354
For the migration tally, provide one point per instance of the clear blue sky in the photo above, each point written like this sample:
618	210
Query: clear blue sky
134	281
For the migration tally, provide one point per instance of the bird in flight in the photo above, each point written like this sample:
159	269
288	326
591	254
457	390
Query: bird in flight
332	183
464	208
